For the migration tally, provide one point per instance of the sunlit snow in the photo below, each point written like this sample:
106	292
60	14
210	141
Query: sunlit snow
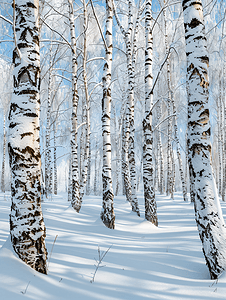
144	262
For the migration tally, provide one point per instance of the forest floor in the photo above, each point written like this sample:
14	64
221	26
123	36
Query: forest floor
143	261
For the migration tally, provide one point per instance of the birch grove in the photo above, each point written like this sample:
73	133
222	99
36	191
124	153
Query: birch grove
122	98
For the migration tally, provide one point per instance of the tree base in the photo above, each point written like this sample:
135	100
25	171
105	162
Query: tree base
109	223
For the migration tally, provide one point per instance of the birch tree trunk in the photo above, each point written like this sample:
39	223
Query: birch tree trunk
183	182
3	159
75	195
86	109
161	164
125	161
107	213
219	148
89	172
95	172
48	168
129	119
173	173
55	158
208	213
131	148
169	186
117	146
224	140
221	136
27	227
148	172
69	188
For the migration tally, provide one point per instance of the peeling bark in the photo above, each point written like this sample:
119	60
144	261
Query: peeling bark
75	193
3	159
148	172
27	227
208	213
107	213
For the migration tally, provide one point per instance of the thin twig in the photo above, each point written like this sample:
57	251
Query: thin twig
101	257
26	288
51	252
98	24
5	19
58	34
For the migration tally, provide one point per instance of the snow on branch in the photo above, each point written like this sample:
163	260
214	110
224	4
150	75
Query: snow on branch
98	24
7	20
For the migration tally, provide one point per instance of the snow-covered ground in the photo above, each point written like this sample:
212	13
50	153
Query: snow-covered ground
143	262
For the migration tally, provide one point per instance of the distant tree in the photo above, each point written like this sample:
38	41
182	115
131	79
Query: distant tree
128	158
85	146
6	87
75	193
27	227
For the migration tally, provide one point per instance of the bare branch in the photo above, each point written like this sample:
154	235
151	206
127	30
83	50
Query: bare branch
57	33
98	24
117	20
7	20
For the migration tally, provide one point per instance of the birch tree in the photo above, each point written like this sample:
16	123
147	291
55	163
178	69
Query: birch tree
3	158
107	213
169	184
75	194
125	162
48	158
27	227
208	213
148	174
130	36
6	86
86	152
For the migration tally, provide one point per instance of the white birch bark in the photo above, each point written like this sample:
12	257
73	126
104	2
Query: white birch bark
224	140
208	212
125	161
130	56
169	185
117	146
75	197
183	182
3	159
86	108
69	186
82	150
88	185
107	213
48	159
55	159
219	141
173	173
148	172
27	227
221	134
161	164
130	118
95	172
